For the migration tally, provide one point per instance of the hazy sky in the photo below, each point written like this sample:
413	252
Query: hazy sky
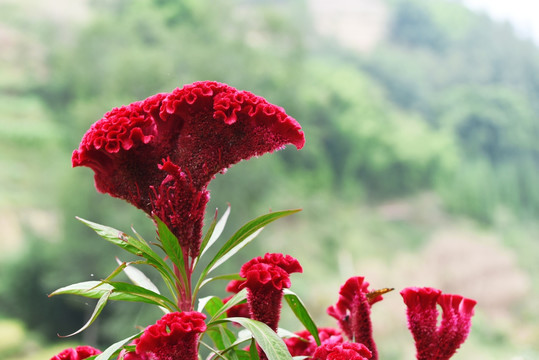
523	14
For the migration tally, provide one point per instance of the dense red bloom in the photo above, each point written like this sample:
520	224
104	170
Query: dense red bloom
194	132
353	312
305	345
344	351
271	270
173	337
437	342
265	279
78	353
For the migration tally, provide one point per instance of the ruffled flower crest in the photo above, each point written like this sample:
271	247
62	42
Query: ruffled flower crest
200	129
433	341
353	312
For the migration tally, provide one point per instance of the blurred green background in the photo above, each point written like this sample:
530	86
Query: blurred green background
421	166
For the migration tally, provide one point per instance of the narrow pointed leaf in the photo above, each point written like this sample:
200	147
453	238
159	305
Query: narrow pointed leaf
208	235
272	345
171	246
119	292
138	277
211	304
98	307
234	300
234	250
122	288
113	350
221	277
301	313
137	247
217	231
253	350
247	230
112	235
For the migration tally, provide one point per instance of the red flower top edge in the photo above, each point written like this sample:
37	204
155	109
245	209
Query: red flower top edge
271	270
234	286
203	128
78	353
172	330
344	351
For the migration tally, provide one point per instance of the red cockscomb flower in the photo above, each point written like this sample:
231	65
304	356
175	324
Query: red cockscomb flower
159	154
344	351
78	353
305	345
265	279
432	341
353	312
174	336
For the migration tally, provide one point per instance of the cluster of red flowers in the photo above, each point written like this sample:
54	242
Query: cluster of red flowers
160	154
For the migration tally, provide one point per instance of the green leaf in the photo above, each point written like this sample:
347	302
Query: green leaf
216	232
138	277
246	230
301	313
113	350
217	338
235	249
98	307
222	277
253	351
172	247
212	304
272	345
112	235
137	247
151	297
119	292
228	338
234	300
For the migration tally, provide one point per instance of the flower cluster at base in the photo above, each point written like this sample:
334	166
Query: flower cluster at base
173	337
344	351
78	353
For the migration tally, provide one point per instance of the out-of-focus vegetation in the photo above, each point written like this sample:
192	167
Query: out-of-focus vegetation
421	165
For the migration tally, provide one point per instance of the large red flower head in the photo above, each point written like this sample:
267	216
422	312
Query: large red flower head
433	341
159	154
78	353
174	336
353	312
344	351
